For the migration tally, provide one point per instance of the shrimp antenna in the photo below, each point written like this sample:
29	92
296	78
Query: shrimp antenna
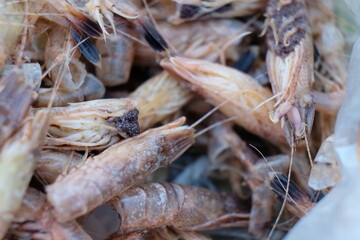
286	190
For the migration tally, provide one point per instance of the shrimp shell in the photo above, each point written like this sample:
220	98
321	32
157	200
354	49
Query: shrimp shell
290	62
242	94
298	203
17	164
108	174
34	220
117	54
52	164
91	89
15	101
71	70
183	207
200	40
92	124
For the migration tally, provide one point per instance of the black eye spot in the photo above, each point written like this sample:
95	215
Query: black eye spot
128	123
188	11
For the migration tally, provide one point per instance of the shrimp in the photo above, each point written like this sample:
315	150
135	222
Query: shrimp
263	201
71	71
159	97
63	14
17	164
117	54
226	146
106	175
182	207
298	203
76	18
190	10
15	101
52	164
94	124
10	28
128	10
239	94
30	72
290	62
200	40
91	89
223	159
34	220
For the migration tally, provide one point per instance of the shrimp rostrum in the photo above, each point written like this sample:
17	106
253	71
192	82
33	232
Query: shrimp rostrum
290	61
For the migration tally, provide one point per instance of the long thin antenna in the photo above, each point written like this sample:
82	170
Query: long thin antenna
209	113
227	44
24	34
239	37
287	189
85	157
68	163
308	150
215	125
266	101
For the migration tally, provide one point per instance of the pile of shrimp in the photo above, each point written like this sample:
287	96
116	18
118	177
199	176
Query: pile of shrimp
167	119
